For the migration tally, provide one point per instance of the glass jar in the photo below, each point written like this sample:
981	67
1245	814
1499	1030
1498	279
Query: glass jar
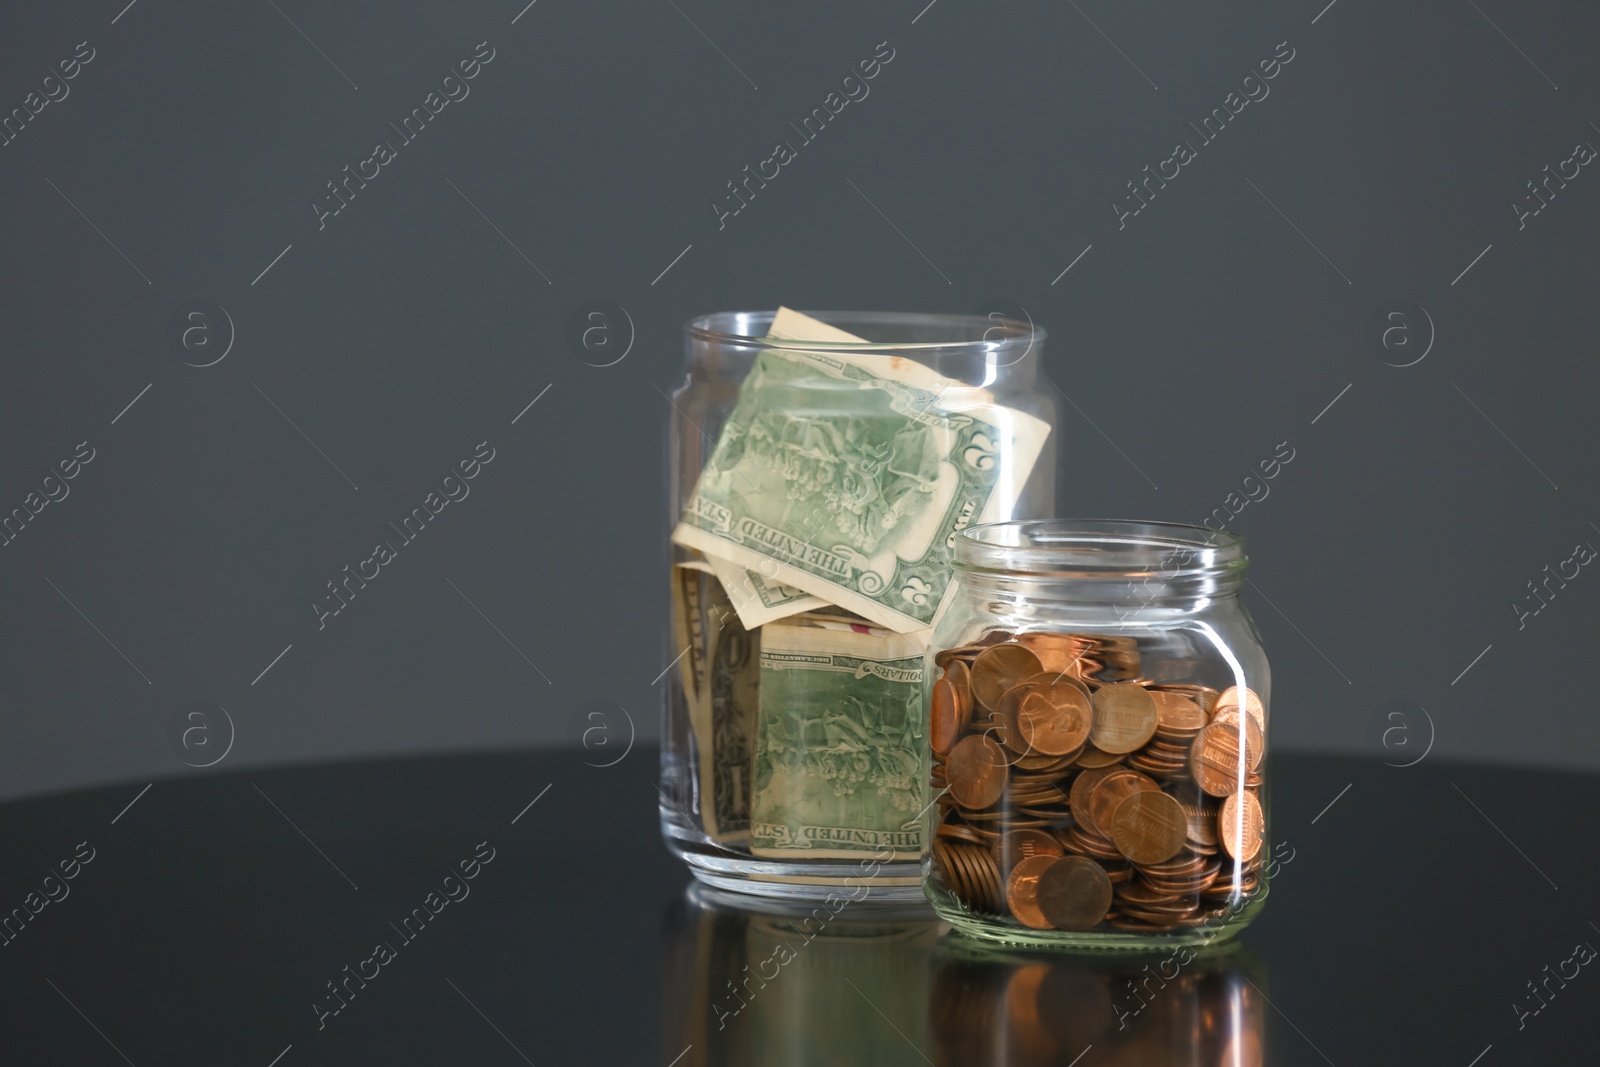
1098	714
817	475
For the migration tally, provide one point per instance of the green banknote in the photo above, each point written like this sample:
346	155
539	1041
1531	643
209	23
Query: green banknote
839	740
757	600
847	476
720	668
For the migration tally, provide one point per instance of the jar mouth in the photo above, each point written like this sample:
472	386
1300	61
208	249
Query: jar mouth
1100	548
998	339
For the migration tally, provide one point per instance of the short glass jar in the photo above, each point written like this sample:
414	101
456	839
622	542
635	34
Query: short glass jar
1098	725
794	736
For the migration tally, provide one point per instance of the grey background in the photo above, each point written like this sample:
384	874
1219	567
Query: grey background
1387	556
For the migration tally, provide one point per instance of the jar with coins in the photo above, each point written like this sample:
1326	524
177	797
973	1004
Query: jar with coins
1098	716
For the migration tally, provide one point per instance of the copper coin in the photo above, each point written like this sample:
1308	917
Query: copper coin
1054	720
1111	792
1202	823
1019	845
1083	788
1215	760
1177	712
1073	893
959	675
1255	739
1240	825
1251	703
944	714
1005	714
998	668
993	637
976	770
1092	757
1125	717
1149	827
1022	890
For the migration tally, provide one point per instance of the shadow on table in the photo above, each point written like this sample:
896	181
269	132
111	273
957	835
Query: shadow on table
761	982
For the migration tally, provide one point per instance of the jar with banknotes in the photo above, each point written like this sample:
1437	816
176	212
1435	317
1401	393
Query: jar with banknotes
1098	716
819	469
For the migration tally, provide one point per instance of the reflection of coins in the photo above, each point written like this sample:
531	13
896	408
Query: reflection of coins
600	332
1400	332
1006	324
1125	717
976	769
605	731
1240	825
200	333
1401	731
200	732
1073	893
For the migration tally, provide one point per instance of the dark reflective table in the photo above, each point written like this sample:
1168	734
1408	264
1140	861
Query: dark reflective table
520	908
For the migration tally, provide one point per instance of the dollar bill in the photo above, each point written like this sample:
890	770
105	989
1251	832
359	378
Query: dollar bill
838	761
720	670
847	476
757	600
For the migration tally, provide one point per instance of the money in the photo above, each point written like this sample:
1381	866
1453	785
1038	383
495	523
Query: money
838	757
1096	798
847	476
720	668
757	600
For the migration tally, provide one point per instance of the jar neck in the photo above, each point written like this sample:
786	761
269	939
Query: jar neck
1109	567
1135	597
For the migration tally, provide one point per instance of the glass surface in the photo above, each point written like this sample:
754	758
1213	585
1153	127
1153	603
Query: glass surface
1098	724
867	744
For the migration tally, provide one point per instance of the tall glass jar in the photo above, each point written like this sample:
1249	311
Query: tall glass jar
818	471
1098	718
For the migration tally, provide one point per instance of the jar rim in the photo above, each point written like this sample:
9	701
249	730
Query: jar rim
1099	548
971	334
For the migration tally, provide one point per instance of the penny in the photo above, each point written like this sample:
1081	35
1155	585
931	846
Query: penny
1083	788
1125	717
1240	825
1215	759
1092	757
1111	792
944	714
959	675
1019	845
1073	893
957	832
1254	737
998	668
1149	827
1022	890
1005	713
1177	712
1230	698
976	768
1054	720
1202	823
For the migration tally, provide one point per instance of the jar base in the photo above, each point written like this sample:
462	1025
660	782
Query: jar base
985	929
897	882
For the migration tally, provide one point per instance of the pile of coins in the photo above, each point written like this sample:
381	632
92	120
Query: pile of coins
1074	792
